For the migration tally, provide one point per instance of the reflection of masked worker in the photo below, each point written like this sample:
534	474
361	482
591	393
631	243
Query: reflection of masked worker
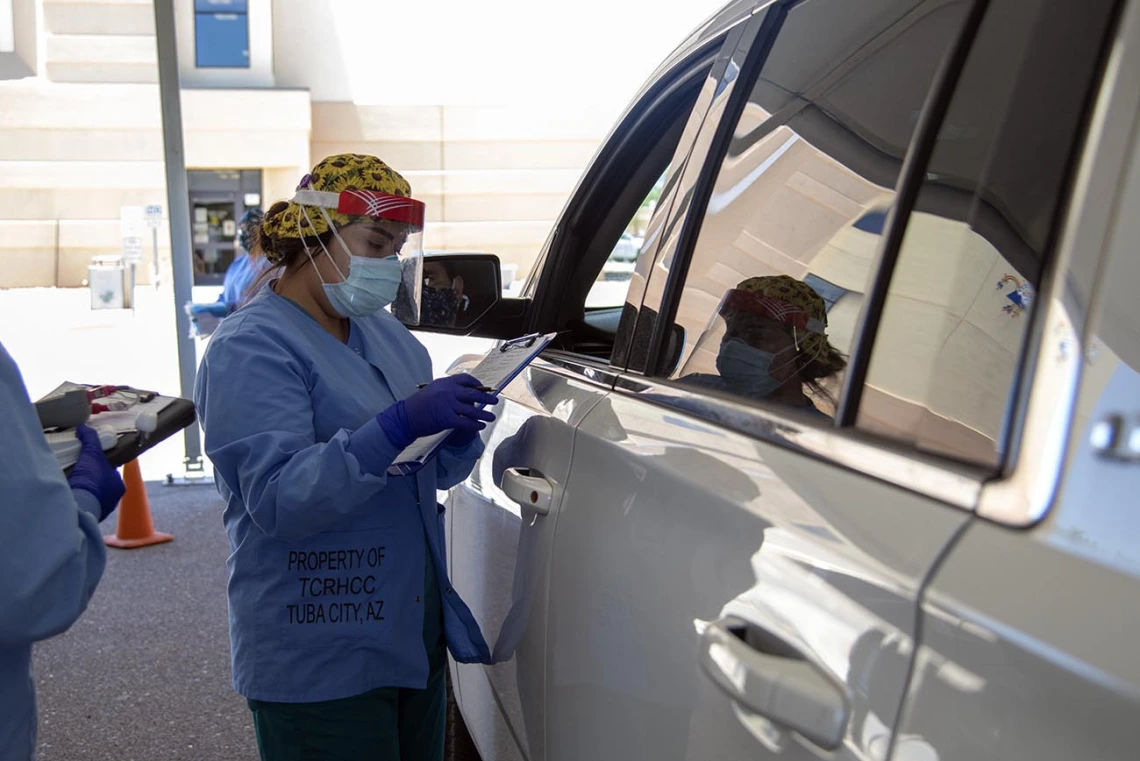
774	342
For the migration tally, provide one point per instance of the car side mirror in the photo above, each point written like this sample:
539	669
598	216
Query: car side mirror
458	289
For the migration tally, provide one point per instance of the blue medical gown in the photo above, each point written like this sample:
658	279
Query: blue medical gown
240	275
51	556
327	572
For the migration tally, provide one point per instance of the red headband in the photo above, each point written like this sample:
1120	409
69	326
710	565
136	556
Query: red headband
773	309
366	203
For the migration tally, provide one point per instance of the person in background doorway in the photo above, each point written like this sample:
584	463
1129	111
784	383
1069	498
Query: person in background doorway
242	277
248	263
341	612
51	550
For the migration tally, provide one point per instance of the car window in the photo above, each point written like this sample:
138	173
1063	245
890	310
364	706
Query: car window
959	306
785	249
609	290
589	272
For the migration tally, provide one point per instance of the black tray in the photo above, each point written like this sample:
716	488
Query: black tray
176	416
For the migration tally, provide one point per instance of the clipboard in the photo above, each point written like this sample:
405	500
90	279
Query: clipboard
498	368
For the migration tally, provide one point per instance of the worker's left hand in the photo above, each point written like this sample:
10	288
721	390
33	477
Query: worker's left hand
460	439
94	474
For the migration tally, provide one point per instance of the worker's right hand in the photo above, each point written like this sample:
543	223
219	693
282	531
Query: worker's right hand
92	473
444	404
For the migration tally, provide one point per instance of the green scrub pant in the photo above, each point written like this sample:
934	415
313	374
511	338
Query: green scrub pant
386	724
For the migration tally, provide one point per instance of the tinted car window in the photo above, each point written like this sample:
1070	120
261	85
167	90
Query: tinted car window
959	305
785	249
612	285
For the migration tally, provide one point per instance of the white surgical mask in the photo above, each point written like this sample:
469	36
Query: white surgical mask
370	285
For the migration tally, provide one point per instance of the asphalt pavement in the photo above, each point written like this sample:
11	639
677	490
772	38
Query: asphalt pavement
144	675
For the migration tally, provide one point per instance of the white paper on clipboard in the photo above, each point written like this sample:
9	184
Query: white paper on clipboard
497	369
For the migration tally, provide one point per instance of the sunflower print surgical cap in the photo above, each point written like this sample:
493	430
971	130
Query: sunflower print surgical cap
785	300
343	171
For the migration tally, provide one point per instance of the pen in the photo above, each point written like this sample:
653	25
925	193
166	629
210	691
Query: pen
484	389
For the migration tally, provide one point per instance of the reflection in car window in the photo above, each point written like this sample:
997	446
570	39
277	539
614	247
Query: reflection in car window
959	306
609	290
797	209
774	346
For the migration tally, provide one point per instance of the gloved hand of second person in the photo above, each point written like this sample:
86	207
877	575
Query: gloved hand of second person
92	472
439	406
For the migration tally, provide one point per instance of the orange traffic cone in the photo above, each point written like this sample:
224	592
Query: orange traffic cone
135	528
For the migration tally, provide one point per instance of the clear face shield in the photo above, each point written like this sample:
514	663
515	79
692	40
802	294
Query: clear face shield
408	306
394	228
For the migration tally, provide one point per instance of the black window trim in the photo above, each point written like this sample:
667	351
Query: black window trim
911	177
910	180
950	482
1046	270
556	264
758	52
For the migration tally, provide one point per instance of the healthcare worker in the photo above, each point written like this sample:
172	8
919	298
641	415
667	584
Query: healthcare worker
341	611
51	550
246	267
774	344
243	276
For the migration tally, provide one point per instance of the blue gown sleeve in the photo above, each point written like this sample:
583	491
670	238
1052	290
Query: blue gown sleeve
51	550
454	465
235	280
257	415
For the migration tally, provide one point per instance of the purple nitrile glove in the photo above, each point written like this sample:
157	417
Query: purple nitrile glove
92	473
460	439
447	403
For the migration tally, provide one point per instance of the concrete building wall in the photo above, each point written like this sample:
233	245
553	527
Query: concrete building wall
494	177
491	109
85	138
19	39
490	115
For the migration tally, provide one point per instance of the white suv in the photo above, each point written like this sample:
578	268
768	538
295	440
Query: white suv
936	556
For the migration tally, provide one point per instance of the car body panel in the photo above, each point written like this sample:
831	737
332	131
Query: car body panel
500	552
669	523
1029	635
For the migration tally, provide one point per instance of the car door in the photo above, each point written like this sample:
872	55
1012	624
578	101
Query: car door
501	539
734	577
1030	623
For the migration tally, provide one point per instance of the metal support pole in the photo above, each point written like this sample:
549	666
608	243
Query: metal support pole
154	257
178	201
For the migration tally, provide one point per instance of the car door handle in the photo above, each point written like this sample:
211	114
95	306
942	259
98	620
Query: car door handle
767	676
529	488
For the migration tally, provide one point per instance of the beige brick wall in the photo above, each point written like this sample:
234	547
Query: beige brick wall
494	177
71	155
85	139
99	41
